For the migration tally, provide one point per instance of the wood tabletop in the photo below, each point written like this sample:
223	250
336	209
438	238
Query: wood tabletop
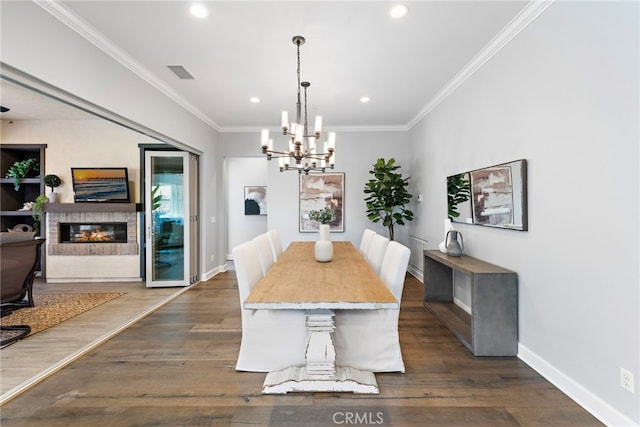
298	281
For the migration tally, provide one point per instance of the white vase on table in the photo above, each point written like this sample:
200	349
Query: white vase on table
324	247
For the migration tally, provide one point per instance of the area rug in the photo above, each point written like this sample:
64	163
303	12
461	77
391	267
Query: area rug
51	310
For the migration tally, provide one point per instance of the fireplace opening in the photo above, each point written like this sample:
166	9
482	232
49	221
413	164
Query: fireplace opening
102	232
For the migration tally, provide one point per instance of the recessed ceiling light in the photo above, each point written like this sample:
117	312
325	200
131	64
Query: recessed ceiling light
254	99
365	99
198	10
398	11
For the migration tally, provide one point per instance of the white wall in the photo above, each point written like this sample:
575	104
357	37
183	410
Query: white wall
241	172
356	152
564	95
61	57
94	143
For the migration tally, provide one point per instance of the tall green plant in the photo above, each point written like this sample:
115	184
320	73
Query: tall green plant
387	195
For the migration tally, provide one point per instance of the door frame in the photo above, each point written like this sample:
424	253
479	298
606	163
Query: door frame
194	196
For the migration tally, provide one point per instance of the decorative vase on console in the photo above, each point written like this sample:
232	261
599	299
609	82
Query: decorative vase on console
454	243
323	246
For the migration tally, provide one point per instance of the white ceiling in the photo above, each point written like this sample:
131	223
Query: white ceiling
243	49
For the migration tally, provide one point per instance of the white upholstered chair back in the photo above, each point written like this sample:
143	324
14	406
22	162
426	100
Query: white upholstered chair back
369	339
263	243
366	239
375	251
394	267
276	244
248	269
271	339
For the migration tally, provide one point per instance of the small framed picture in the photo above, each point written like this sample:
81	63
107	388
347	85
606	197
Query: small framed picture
255	200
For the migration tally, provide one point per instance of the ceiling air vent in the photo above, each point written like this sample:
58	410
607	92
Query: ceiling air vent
180	72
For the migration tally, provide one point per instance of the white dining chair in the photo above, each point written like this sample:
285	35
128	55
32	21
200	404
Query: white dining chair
271	339
265	252
366	239
368	339
375	251
276	244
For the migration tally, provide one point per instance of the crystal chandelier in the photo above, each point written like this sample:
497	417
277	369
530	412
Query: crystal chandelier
304	153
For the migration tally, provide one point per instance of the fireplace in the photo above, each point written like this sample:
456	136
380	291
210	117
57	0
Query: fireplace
102	232
78	229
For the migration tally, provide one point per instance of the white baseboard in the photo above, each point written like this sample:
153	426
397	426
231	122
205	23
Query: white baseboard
413	270
92	279
209	274
585	398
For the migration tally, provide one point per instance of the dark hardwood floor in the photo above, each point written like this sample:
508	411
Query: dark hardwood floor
176	368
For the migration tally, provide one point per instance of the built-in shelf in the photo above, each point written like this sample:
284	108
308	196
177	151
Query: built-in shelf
22	181
16	213
93	207
30	188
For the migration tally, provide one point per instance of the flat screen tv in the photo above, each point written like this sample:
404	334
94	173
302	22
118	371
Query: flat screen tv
100	185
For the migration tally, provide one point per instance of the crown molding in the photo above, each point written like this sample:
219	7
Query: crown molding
75	23
344	129
527	15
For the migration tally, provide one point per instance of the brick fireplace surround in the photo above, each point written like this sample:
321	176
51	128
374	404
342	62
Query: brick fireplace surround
57	248
99	261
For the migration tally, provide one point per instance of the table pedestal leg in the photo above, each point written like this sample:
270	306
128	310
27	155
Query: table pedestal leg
320	372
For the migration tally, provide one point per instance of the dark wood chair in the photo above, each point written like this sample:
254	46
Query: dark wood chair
18	262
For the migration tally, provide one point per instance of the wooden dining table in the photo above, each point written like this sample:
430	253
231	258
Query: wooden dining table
297	281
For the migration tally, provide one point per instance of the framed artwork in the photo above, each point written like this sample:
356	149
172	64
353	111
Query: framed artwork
100	185
318	191
255	200
499	196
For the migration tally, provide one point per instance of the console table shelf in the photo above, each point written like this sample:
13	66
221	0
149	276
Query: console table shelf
492	327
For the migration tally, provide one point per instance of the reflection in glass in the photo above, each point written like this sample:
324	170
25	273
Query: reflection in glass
495	196
167	219
458	195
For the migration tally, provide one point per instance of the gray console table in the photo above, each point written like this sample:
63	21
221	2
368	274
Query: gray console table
492	327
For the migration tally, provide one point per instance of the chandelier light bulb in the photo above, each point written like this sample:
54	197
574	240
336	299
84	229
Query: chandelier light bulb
332	141
264	138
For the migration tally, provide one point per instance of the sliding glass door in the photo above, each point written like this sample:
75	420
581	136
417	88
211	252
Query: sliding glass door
171	218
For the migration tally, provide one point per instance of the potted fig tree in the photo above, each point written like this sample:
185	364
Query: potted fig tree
387	195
